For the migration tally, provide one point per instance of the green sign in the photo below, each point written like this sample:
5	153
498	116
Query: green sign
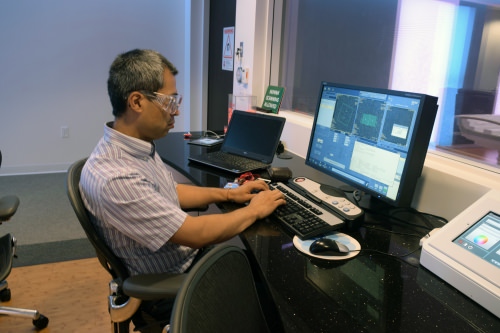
273	98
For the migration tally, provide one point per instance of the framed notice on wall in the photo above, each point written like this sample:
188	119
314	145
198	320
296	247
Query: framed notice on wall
228	49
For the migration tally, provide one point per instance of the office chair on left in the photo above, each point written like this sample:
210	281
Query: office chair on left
8	207
125	292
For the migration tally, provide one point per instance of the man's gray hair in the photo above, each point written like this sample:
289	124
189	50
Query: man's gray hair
135	70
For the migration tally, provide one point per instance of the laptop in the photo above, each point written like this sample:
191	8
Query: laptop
250	143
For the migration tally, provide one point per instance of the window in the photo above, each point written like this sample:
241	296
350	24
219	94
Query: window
442	48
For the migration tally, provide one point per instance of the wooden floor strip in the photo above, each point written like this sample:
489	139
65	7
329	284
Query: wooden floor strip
72	294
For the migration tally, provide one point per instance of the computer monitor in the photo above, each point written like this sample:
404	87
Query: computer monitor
374	140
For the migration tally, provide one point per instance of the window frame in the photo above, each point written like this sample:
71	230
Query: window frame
303	122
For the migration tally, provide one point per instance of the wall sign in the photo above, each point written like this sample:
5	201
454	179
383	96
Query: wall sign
273	98
228	49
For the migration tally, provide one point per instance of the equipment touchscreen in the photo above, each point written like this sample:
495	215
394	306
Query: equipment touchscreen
483	239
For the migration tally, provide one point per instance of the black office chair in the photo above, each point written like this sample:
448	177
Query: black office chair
220	295
125	292
8	207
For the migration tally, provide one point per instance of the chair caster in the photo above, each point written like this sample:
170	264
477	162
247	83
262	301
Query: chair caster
5	295
41	322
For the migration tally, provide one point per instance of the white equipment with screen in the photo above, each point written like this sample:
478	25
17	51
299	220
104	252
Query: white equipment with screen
466	252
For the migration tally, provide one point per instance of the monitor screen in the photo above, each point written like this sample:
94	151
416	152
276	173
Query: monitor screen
372	139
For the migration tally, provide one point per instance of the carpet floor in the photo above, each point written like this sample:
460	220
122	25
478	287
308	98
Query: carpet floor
43	253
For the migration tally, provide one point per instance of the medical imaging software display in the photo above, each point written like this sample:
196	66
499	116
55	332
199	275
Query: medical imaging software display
372	139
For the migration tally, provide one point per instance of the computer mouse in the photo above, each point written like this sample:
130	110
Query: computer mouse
328	247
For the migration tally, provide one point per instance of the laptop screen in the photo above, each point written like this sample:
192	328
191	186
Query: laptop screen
253	135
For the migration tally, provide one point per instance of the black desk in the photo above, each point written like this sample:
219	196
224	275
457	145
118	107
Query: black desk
373	292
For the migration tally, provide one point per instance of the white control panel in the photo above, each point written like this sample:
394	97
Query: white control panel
338	203
466	252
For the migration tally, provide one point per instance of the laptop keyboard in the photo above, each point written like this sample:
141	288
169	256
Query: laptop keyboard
303	217
238	162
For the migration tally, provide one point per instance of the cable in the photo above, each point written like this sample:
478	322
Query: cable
398	257
357	195
217	136
391	231
390	215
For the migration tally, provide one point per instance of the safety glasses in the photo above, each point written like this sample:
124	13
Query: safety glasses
168	103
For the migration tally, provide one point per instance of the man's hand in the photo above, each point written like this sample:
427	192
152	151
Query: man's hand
247	191
265	202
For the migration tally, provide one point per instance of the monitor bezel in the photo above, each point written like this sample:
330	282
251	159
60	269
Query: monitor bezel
417	150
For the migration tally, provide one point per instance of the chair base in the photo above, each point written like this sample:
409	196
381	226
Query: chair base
39	320
4	291
8	245
17	312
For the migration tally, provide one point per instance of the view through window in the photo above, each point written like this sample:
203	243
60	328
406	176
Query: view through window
448	49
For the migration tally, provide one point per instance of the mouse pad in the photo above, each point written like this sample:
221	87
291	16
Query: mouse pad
351	243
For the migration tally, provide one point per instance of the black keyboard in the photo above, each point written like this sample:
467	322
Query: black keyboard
238	161
303	217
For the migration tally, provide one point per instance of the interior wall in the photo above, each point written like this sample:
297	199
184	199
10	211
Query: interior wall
245	33
54	63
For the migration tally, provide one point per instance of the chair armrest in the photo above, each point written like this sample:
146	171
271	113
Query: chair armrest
153	286
8	207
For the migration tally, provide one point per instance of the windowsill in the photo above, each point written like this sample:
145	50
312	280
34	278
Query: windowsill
462	168
297	118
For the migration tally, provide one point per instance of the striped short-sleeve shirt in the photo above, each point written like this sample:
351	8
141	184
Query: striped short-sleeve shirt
133	201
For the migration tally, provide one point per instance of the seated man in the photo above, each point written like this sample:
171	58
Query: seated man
133	199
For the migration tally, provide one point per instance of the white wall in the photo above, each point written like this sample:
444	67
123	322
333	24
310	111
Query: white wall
245	33
54	60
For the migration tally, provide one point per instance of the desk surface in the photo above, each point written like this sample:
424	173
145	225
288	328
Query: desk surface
383	289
